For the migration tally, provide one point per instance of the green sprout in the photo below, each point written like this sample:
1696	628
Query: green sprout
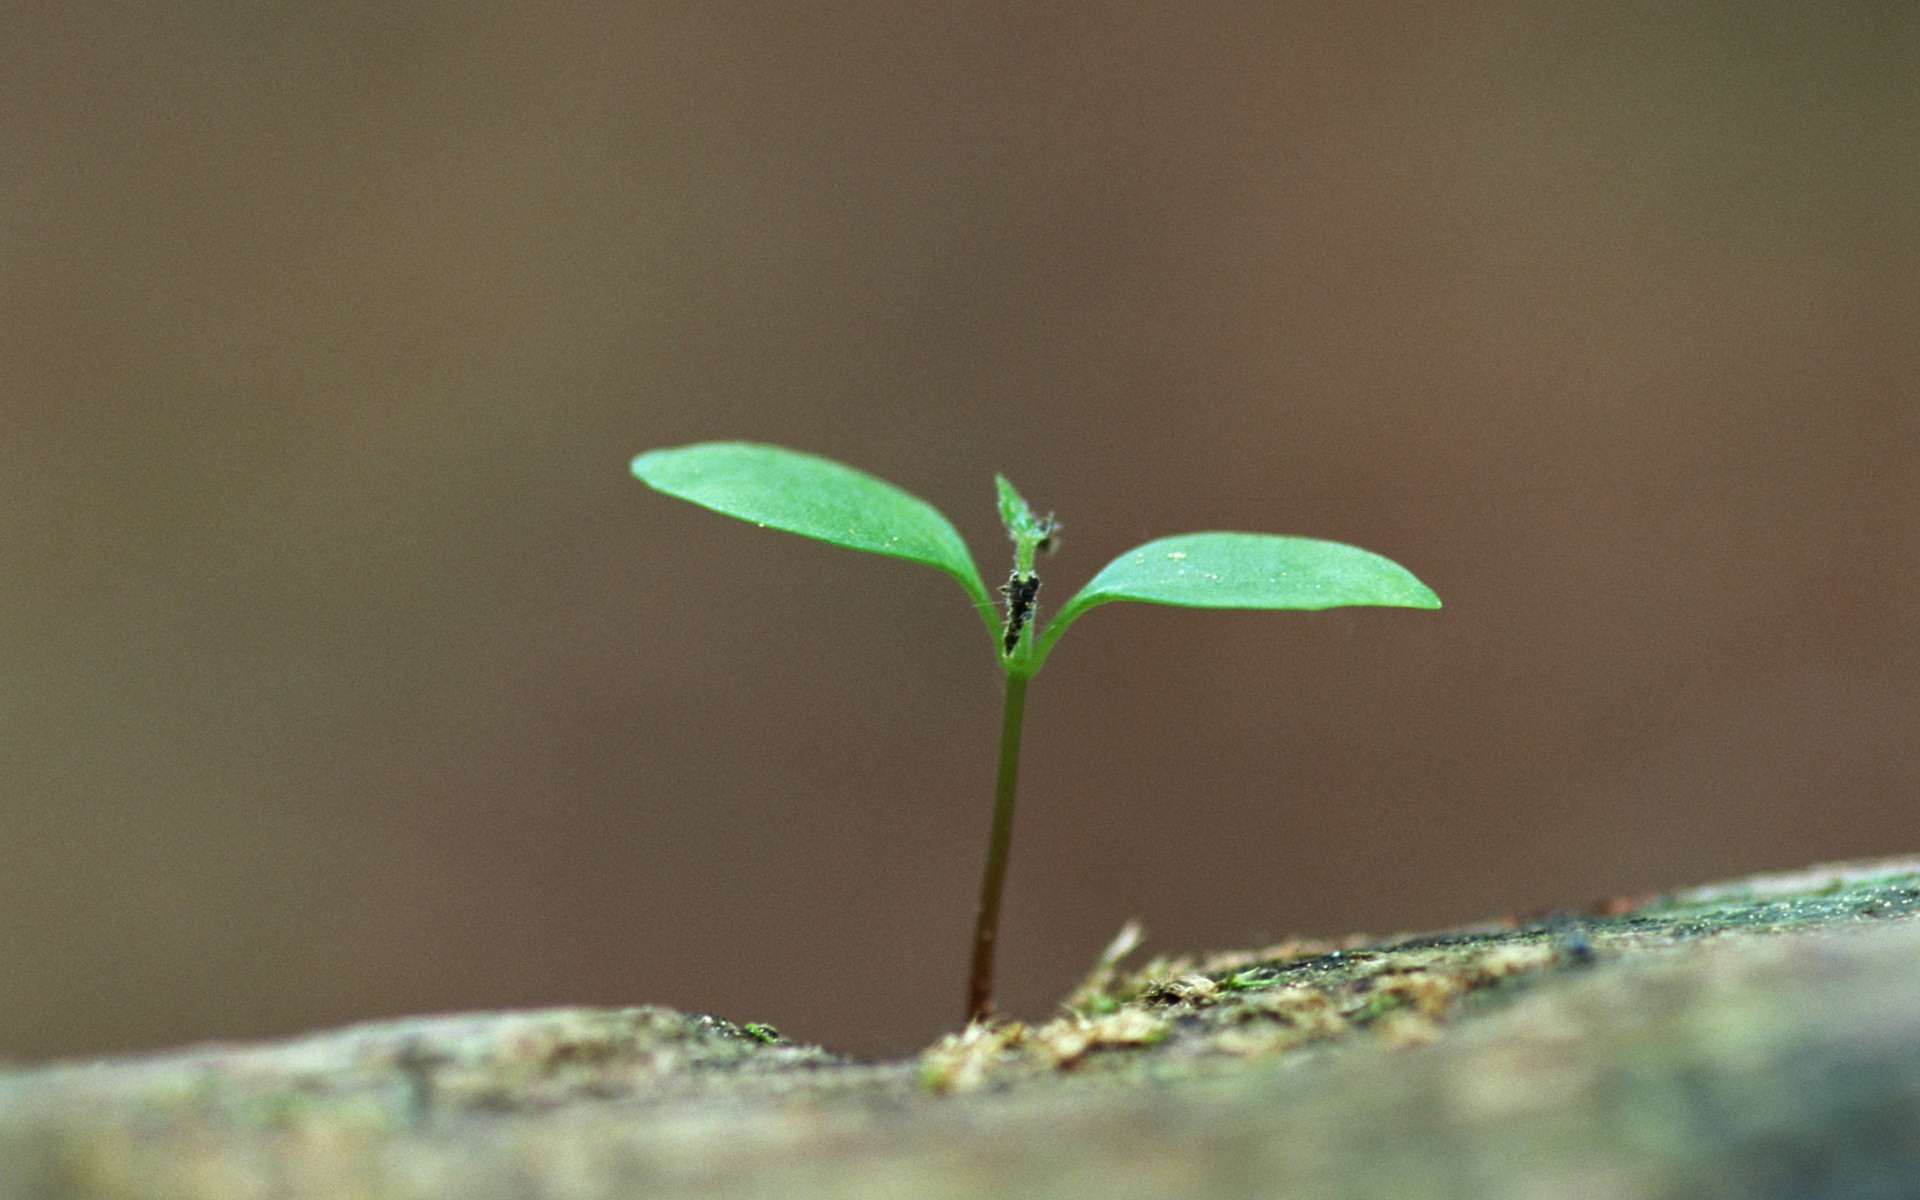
816	497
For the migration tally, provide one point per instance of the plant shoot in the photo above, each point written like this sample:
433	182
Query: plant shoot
819	498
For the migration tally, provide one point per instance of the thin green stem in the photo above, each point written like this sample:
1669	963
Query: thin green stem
999	841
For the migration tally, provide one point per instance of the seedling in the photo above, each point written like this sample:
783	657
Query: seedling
784	489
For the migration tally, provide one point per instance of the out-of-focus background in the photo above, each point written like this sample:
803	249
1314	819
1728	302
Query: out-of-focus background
346	672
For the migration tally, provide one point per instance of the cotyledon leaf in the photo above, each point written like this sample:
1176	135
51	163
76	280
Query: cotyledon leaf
1246	570
814	497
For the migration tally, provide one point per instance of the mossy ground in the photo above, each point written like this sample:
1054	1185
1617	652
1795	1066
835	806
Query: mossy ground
1402	989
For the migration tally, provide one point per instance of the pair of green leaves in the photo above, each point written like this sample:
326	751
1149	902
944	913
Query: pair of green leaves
816	497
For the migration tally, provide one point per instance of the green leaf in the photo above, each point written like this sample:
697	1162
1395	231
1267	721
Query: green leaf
1015	514
1246	570
815	497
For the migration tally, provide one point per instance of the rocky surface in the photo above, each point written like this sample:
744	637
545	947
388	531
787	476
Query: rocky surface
1753	1039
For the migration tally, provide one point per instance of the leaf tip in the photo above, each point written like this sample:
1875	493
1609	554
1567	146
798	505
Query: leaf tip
1423	596
646	465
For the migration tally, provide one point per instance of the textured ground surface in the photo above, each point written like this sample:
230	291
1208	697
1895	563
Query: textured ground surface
1754	1039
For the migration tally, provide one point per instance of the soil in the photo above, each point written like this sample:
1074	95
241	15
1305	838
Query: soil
1753	1039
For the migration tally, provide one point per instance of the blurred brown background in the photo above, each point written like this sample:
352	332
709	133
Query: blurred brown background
345	672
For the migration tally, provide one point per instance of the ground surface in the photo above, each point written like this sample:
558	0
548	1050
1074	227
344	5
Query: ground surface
1753	1039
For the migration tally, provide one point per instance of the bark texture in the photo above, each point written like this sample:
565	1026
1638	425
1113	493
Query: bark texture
1753	1039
